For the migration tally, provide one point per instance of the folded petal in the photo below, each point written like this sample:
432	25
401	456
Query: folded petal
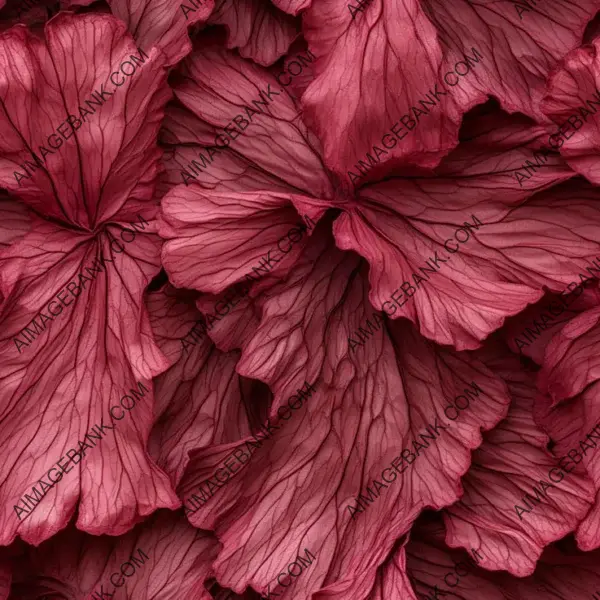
572	100
162	559
298	68
369	73
531	330
240	129
215	239
258	29
571	365
200	400
342	411
79	144
76	383
162	23
386	66
516	499
571	416
243	317
469	233
438	571
393	580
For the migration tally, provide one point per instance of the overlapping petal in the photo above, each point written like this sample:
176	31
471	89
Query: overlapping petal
203	257
433	568
371	72
214	239
200	400
242	129
531	330
365	409
107	161
516	499
162	559
472	233
159	23
572	101
570	377
78	361
75	333
257	28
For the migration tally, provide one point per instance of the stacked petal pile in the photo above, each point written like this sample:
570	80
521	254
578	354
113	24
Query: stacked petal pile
299	299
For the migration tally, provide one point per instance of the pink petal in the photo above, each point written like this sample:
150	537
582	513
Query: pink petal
217	239
162	558
64	376
562	572
374	65
531	330
243	317
292	7
571	102
510	246
516	500
570	375
260	31
163	23
200	400
295	491
393	581
271	149
110	164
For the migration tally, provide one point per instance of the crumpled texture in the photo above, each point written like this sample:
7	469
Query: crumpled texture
299	299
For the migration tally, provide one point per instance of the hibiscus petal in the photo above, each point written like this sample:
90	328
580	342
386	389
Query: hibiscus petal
298	69
516	499
68	365
368	76
163	23
158	23
570	375
240	126
112	159
475	242
243	317
78	361
260	31
531	330
563	572
364	409
571	366
572	100
200	400
393	580
216	239
163	558
372	71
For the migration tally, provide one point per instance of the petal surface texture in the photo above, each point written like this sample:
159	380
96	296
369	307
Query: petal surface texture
75	331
